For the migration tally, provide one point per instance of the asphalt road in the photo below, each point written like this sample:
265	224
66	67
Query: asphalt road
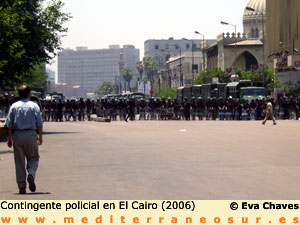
163	160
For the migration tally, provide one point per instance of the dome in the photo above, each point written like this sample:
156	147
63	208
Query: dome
258	5
254	20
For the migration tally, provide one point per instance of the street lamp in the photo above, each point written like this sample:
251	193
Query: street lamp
225	23
192	58
263	38
203	60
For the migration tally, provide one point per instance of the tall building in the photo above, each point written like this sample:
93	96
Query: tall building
162	50
283	38
283	23
51	75
89	68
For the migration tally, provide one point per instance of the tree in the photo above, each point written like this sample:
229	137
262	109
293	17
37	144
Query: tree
36	77
215	72
105	88
271	79
30	34
168	92
150	68
140	68
290	89
127	74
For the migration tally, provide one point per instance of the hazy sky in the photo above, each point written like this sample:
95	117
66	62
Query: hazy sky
100	23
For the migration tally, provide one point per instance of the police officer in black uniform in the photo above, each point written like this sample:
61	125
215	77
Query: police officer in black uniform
194	106
81	108
186	109
131	105
53	110
88	105
142	109
201	108
74	109
59	108
176	109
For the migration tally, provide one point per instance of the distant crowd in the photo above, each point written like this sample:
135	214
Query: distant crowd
161	109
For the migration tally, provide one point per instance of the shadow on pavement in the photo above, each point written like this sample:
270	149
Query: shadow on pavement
39	193
49	133
36	193
3	138
6	152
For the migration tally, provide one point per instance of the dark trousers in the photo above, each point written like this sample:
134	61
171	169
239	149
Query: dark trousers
130	114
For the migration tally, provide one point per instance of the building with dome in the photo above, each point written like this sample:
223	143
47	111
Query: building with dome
254	19
241	50
270	37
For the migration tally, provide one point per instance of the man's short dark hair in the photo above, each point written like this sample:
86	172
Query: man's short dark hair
24	91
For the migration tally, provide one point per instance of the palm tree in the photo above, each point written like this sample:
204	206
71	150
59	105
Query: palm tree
127	74
140	68
150	68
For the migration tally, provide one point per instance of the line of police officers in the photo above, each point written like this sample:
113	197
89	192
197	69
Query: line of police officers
161	109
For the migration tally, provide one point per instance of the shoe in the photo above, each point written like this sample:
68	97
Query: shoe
263	123
22	191
274	123
30	180
126	120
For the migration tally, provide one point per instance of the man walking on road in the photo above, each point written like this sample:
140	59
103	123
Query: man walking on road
23	120
269	113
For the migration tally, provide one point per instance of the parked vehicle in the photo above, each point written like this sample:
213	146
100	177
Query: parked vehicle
54	96
136	95
243	90
252	93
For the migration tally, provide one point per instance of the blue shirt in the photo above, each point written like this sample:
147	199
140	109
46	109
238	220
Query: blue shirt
24	115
